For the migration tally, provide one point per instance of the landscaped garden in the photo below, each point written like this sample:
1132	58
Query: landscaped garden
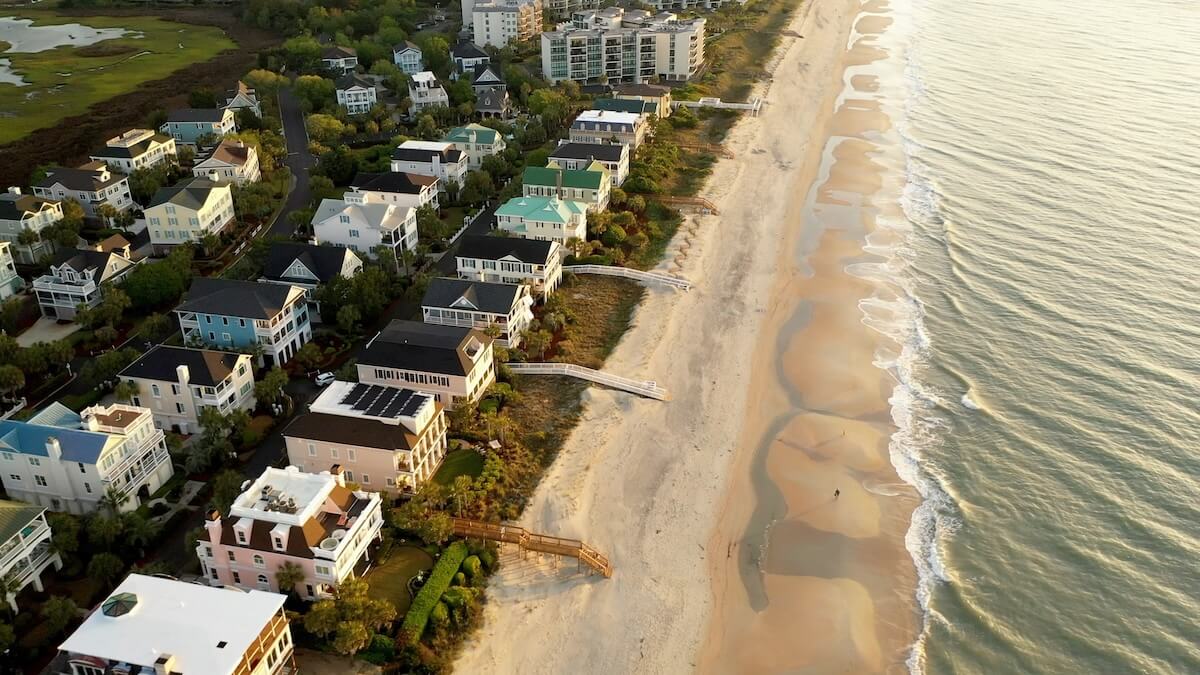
390	579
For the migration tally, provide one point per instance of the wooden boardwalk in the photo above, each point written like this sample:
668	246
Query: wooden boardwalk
704	205
531	541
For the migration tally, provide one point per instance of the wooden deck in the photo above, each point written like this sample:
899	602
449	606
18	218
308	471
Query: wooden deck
531	541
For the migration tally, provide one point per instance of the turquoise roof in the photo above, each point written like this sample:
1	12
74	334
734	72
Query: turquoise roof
542	209
463	134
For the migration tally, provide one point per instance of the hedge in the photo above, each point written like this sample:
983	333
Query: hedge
429	595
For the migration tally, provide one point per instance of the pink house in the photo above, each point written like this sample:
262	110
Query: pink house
288	516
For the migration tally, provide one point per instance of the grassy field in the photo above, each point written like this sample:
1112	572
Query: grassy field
67	81
463	462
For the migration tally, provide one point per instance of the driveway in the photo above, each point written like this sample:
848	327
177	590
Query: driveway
299	160
46	330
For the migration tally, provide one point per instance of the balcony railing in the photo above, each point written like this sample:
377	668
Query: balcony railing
27	567
17	546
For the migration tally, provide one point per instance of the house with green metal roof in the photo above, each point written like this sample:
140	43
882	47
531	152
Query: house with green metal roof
477	141
24	547
543	218
590	185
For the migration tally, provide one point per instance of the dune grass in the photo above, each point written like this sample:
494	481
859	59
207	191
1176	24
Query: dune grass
66	81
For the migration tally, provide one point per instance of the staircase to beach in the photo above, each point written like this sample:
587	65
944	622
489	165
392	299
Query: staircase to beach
531	541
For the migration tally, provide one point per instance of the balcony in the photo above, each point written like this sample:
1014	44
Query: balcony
27	567
18	547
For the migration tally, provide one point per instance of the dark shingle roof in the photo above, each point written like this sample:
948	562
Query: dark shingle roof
485	296
491	99
452	156
132	150
602	152
87	180
14	207
467	50
14	516
485	75
350	80
642	90
206	367
226	297
191	192
392	181
529	251
196	115
80	260
324	261
351	430
630	105
412	345
338	52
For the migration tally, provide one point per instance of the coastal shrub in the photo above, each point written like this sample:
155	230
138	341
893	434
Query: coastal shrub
381	650
460	579
613	236
472	566
488	558
439	580
440	615
458	596
589	260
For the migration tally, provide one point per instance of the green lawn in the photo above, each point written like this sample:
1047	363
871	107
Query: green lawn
465	462
66	81
390	579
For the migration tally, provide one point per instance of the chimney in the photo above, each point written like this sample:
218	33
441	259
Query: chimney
14	190
213	525
212	177
53	448
164	664
183	375
338	474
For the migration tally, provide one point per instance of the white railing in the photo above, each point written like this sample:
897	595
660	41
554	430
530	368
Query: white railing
637	275
647	388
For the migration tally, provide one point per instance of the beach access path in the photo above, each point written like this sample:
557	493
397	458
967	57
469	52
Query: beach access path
642	480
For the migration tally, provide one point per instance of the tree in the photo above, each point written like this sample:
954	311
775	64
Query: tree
477	187
59	612
427	128
140	531
11	379
202	98
10	585
324	128
423	515
435	51
339	164
144	182
64	533
266	83
157	326
537	342
154	285
106	335
350	617
348	318
226	488
315	93
460	492
309	356
125	391
104	568
113	499
7	637
288	575
269	389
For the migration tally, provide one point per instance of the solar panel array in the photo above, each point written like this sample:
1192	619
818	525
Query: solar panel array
387	402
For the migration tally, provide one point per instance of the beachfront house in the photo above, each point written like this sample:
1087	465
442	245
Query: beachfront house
387	439
480	305
243	97
356	94
365	227
136	149
92	185
74	280
606	126
657	94
189	211
230	162
413	190
407	56
477	141
20	212
511	260
228	314
575	156
545	218
25	549
339	60
311	520
308	266
158	625
439	159
424	91
454	363
68	461
176	383
625	105
590	185
189	125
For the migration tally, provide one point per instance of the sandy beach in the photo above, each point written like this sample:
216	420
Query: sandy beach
775	403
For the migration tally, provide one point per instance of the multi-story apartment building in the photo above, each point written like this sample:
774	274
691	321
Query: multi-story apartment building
308	266
364	227
230	162
477	141
92	185
431	158
177	383
312	520
24	547
500	22
407	56
591	185
188	211
20	212
75	278
511	260
623	46
228	314
544	218
576	156
606	126
154	625
413	190
562	9
388	439
10	282
68	461
188	125
356	93
480	305
137	149
425	91
453	363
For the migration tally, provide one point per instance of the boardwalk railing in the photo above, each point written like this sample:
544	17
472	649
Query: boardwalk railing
531	541
709	148
636	275
642	388
698	202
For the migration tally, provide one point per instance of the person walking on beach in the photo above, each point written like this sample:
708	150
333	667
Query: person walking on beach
837	492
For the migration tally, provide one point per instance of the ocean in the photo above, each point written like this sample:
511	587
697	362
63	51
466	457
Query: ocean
1047	163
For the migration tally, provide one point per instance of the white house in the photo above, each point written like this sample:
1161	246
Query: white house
607	126
20	212
10	282
308	266
356	93
68	461
453	363
176	383
136	149
477	141
426	92
361	227
340	60
544	218
408	56
403	189
231	162
243	98
92	185
579	156
188	211
25	550
501	22
74	279
466	56
439	159
511	260
479	304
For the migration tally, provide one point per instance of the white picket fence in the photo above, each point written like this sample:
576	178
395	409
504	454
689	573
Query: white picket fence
637	275
649	389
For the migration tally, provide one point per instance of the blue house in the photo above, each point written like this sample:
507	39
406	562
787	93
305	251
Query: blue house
408	56
236	315
186	125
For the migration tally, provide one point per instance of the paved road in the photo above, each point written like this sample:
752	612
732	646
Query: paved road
299	160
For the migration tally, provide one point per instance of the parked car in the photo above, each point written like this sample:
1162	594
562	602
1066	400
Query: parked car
324	379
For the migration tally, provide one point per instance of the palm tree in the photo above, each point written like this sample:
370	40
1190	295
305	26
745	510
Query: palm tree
113	500
288	575
139	532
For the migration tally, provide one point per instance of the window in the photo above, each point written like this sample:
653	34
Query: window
232	557
263	582
40	480
333	453
84	669
14	477
312	450
226	338
241	536
237	578
35	461
350	475
82	468
259	562
214	573
353	234
344	219
88	488
278	543
174	390
179	408
365	479
207	551
155	391
323	571
391	482
351	455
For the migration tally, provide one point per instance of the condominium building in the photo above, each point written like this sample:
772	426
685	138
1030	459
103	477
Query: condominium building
389	439
69	461
25	550
137	149
20	212
312	520
544	218
153	625
425	91
562	9
229	314
453	363
187	212
177	383
480	305
74	279
511	260
92	185
623	46
500	22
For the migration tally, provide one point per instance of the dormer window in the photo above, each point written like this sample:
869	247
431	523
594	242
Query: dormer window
278	543
241	536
